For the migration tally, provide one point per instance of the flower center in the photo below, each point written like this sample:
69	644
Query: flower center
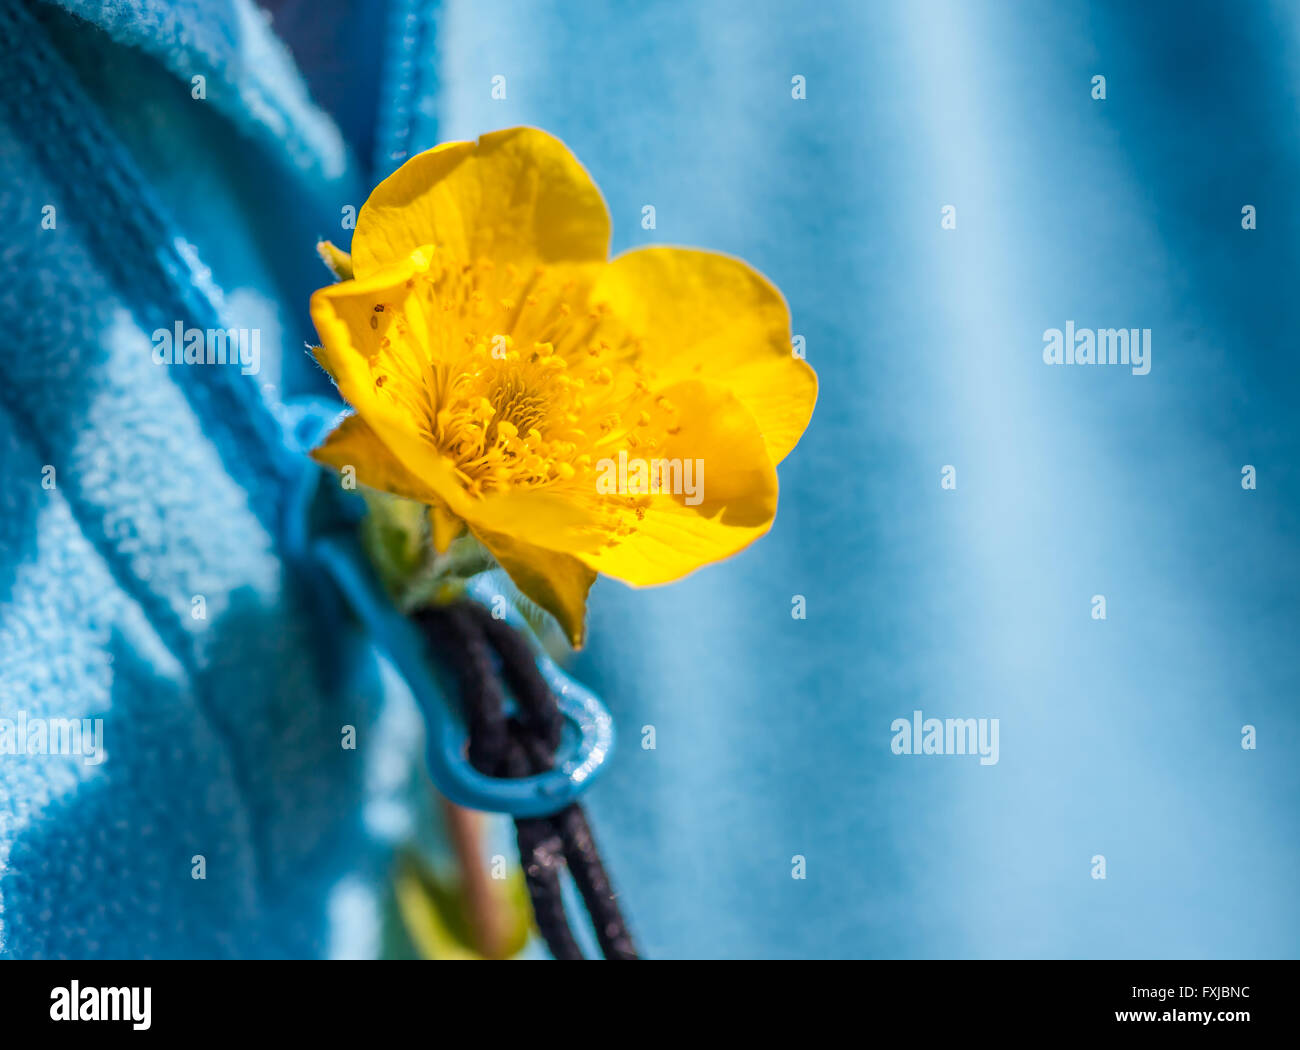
510	374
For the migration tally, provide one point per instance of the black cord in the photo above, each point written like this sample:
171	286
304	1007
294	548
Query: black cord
475	645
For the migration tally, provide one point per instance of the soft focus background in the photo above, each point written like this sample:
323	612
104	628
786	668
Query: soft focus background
1120	738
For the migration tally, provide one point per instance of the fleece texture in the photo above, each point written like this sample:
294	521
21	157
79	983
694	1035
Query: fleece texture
142	579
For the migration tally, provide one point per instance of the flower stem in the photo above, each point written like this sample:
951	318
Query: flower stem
487	923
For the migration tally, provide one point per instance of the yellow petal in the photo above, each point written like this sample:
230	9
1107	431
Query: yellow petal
557	582
672	537
353	444
737	493
702	315
352	350
444	526
514	196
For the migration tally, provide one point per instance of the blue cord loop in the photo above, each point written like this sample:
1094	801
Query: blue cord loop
321	528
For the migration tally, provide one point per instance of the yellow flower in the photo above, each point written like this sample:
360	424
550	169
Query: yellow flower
580	415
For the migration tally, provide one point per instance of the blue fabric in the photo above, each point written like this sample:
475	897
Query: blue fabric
222	732
1118	738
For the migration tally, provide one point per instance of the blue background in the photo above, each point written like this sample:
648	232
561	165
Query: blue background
1120	738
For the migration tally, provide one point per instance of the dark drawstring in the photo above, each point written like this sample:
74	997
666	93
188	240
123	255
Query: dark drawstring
467	637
